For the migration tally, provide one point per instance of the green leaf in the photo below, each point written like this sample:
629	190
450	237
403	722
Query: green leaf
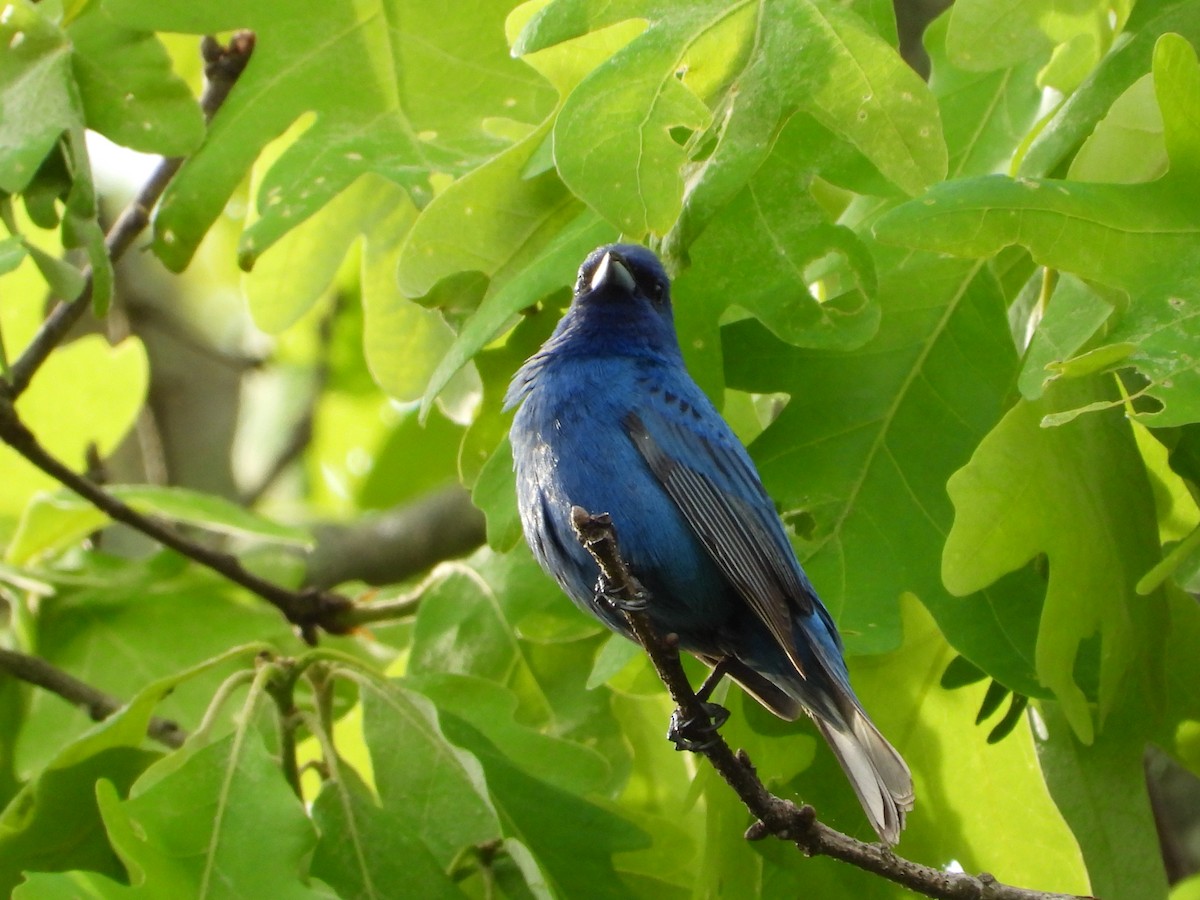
607	133
1073	316
223	817
1031	490
1128	236
984	114
1156	335
1128	61
12	253
128	90
462	611
959	772
1143	238
103	409
552	268
495	492
65	281
37	92
472	622
572	839
366	850
1127	146
846	462
613	141
488	220
492	709
1187	889
384	82
985	36
53	522
1124	235
134	625
756	254
289	278
415	458
403	341
54	825
438	788
1101	792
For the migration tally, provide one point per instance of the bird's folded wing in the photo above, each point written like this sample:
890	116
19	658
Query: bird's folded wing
735	522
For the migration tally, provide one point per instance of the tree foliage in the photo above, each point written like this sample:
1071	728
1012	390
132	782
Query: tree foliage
954	319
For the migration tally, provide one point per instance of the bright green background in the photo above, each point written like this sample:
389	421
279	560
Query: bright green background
955	320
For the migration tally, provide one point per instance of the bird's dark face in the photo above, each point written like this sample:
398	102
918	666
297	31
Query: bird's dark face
621	308
624	275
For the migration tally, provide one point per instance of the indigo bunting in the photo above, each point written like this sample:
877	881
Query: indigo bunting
610	421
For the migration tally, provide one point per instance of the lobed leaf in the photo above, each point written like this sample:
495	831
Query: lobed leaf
1031	490
385	82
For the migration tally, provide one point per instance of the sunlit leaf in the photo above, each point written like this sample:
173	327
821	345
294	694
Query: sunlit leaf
381	79
1031	490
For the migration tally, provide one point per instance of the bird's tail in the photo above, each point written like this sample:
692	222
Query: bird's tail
876	770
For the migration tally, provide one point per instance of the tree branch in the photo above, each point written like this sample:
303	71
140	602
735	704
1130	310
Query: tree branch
95	702
775	816
396	544
308	610
222	66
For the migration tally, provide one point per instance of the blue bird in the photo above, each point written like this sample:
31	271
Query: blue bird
610	421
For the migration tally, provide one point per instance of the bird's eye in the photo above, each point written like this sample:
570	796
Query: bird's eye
657	291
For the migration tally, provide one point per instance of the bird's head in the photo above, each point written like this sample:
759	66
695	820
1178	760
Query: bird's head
623	273
621	308
623	296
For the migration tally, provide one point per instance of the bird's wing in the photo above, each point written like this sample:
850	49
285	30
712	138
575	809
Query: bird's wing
734	520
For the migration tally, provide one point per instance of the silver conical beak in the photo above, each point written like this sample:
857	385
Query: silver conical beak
612	271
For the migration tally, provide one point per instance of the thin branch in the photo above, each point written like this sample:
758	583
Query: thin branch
222	67
775	816
302	430
387	611
308	610
95	702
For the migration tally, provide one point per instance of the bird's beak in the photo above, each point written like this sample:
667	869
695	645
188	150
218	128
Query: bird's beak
612	271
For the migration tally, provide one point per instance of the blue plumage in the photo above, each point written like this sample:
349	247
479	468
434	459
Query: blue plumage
610	420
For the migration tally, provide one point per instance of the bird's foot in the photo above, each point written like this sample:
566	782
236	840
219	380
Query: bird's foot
696	734
608	593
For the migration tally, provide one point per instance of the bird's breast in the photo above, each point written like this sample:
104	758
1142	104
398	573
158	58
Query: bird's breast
571	448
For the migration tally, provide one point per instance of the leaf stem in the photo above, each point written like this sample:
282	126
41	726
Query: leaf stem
282	688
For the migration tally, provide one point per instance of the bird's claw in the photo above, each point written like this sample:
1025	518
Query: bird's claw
696	734
609	593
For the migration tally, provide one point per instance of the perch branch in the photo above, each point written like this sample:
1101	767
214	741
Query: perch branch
775	816
222	66
95	702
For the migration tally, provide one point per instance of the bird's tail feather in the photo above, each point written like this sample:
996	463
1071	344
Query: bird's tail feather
876	770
